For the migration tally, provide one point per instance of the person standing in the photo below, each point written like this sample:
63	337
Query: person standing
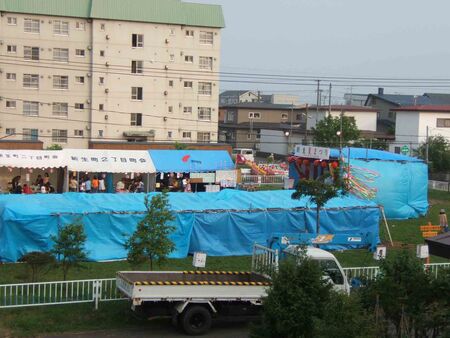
73	184
95	184
443	222
101	183
88	184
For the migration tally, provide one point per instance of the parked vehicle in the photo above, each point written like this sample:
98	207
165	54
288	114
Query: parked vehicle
247	153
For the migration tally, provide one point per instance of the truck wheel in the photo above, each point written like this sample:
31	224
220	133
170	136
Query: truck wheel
196	320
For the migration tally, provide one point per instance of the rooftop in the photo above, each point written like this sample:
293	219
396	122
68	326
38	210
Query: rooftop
262	105
425	108
345	108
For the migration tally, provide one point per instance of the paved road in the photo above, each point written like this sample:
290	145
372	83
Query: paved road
219	330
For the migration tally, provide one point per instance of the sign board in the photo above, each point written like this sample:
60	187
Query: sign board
322	239
199	259
422	251
206	177
354	239
380	253
405	150
312	152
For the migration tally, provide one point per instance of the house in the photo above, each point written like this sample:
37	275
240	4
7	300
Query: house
237	96
414	123
353	99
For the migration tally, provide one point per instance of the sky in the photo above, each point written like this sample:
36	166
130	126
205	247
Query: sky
406	39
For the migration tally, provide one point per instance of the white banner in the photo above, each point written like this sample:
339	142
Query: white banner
32	158
312	152
207	177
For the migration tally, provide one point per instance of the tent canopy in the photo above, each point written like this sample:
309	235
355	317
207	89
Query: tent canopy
372	154
191	160
32	158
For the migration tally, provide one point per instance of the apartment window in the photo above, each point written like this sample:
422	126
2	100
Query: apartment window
170	83
206	62
172	57
136	119
80	53
100	133
12	49
170	109
12	21
31	25
204	88
78	132
31	53
10	104
102	26
101	80
443	123
284	116
79	79
204	113
11	76
30	134
137	93
59	135
79	106
299	117
187	134
190	33
169	134
137	67
188	84
60	82
252	115
137	40
60	109
172	31
203	137
10	131
230	116
101	107
258	134
187	110
60	27
30	108
206	38
102	53
81	26
188	59
61	54
31	81
249	136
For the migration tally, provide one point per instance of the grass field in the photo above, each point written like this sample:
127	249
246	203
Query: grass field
29	322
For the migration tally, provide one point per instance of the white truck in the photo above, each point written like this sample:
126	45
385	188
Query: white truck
193	298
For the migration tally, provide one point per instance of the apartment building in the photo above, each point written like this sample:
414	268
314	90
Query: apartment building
74	71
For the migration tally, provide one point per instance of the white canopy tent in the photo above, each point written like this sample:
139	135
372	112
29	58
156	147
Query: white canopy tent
32	159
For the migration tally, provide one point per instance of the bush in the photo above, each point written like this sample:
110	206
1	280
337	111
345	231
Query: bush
37	263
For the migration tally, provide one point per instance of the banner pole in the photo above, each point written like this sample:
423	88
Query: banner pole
386	224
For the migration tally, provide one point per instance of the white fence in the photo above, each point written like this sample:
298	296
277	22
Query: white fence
264	260
262	179
439	185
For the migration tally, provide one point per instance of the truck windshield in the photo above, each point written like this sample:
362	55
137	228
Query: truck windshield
331	269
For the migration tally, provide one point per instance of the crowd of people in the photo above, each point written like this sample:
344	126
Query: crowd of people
88	185
41	185
174	182
127	184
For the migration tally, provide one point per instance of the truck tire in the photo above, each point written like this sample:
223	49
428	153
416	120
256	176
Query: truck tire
196	320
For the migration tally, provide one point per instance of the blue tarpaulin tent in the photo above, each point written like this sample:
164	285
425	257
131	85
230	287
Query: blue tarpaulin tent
191	160
221	224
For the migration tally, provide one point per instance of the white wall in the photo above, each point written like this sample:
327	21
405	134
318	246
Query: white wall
275	141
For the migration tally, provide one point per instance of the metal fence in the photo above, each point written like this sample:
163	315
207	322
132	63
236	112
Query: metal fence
264	260
262	179
61	292
439	185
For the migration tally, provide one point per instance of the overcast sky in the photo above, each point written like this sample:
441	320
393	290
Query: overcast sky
383	38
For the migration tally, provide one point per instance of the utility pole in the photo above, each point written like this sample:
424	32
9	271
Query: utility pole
340	132
426	147
318	97
306	125
329	101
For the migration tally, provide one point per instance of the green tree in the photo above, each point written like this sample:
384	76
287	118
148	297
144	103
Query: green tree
438	153
150	242
326	131
320	191
37	262
54	147
180	146
69	246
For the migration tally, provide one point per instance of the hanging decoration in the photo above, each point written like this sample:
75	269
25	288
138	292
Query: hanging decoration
358	179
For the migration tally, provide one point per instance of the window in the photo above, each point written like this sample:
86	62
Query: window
31	81
137	40
60	109
102	53
31	25
299	117
79	106
79	79
101	80
170	83
204	113
252	115
170	109
443	123
187	110
204	88
78	132
397	150
249	136
137	67
61	54
172	57
169	134
206	62
102	26
137	93
59	135
258	134
60	27
30	134
230	116
172	31
10	104
30	53
188	84
189	33
100	133
81	26
188	59
12	21
60	82
187	134
12	49
80	53
284	116
10	131
136	119
11	76
203	137
206	38
101	106
30	108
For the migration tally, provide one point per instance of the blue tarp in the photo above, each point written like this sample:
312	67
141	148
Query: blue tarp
372	154
191	160
220	224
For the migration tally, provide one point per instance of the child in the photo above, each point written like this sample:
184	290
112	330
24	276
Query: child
443	222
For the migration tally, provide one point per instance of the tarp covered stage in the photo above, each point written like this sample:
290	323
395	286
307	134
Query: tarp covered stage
220	224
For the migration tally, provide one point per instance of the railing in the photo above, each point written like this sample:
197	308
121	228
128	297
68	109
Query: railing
61	292
262	179
439	185
264	260
434	268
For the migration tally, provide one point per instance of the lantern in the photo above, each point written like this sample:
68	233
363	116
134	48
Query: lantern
299	161
324	164
316	163
291	159
306	162
334	165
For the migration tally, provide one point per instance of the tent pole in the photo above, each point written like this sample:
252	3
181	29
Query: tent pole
386	224
66	183
78	181
148	183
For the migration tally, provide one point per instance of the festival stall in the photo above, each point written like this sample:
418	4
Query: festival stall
220	224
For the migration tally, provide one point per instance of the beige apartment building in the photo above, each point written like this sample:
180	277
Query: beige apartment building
74	71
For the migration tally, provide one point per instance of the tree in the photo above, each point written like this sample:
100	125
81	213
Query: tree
438	153
150	242
180	146
37	262
69	246
326	131
320	191
54	147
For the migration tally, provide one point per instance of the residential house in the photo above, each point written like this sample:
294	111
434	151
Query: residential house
353	99
237	96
